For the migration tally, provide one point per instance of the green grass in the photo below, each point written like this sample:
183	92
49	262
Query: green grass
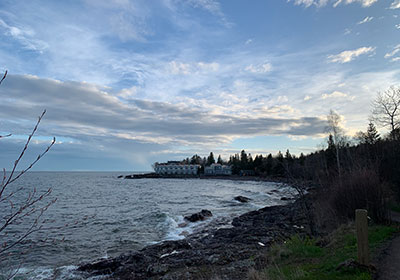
302	258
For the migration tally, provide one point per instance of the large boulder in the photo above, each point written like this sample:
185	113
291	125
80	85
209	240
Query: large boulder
199	216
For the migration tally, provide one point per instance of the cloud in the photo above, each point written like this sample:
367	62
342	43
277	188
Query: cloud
308	3
80	111
392	55
213	7
262	68
24	36
364	3
347	56
337	95
397	26
321	3
365	20
177	68
395	4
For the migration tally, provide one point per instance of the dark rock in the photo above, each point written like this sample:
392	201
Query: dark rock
225	252
200	216
242	199
120	176
284	198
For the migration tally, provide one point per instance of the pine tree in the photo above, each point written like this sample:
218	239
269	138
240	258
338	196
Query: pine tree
210	159
288	156
219	160
372	135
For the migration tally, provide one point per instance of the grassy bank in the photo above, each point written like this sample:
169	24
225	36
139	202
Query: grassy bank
314	259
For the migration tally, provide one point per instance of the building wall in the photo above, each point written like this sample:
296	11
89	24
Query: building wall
218	169
176	169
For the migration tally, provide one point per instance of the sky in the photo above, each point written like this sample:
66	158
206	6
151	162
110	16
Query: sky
126	83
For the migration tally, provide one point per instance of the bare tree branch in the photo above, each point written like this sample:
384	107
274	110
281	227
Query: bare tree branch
386	109
27	212
5	75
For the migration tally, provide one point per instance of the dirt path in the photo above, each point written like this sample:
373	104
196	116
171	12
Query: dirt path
389	261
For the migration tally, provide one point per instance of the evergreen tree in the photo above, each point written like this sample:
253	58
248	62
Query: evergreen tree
269	164
210	159
288	156
301	159
372	136
243	160
279	169
219	160
330	154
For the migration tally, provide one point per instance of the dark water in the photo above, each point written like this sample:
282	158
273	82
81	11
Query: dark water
116	215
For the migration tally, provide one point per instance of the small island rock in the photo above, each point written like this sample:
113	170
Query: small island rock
242	199
200	216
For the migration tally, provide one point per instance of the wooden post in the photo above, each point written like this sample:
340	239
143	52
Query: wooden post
362	236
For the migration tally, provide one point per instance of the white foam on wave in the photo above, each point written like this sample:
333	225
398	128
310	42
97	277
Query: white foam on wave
175	229
67	272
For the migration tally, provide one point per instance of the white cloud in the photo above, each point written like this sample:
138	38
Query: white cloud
347	56
262	68
321	3
308	3
395	4
365	20
25	36
337	95
397	26
180	68
213	7
249	41
392	55
307	97
364	3
177	68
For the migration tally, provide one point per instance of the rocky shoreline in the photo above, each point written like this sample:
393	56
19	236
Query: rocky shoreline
225	253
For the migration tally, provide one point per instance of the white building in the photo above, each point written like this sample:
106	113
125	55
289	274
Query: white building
176	168
217	169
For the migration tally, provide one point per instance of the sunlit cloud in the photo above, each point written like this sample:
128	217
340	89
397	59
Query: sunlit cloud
365	20
347	56
364	3
394	54
337	95
395	4
321	3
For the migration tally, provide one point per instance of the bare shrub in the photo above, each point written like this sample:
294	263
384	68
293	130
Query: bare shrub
360	189
21	209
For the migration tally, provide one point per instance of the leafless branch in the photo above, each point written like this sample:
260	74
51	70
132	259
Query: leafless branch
27	212
5	75
4	136
10	177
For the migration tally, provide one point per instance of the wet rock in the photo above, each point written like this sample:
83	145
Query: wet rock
200	216
182	225
242	199
226	252
184	233
284	198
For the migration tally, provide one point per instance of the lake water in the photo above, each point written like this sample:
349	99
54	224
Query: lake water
115	215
